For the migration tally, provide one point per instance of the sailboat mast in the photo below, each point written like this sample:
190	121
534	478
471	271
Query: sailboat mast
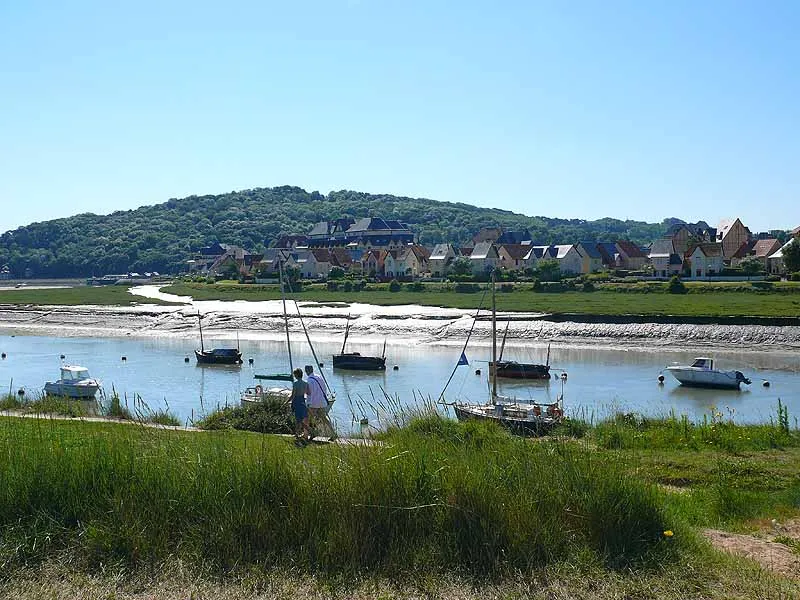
493	372
200	323
285	315
346	331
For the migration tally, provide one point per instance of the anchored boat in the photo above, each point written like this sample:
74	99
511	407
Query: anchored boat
216	356
75	382
355	361
701	373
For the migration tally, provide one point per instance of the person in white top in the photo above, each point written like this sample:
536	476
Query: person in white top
318	404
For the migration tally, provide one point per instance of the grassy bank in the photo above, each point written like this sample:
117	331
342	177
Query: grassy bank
111	295
443	505
718	300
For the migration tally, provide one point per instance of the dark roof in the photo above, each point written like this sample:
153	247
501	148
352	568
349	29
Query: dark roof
710	249
516	251
514	237
591	249
662	247
631	249
675	259
607	251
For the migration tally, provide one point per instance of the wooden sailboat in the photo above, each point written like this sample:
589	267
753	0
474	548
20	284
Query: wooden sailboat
521	418
216	356
354	360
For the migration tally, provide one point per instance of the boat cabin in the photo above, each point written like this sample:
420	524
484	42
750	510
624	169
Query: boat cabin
69	373
706	364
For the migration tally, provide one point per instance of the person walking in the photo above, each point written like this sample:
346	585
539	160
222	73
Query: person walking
299	408
318	404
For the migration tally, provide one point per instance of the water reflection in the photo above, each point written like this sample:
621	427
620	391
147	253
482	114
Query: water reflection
601	380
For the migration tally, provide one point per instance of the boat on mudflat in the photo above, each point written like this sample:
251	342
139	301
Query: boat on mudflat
701	373
75	382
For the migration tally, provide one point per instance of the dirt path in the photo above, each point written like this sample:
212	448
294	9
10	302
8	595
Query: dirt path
770	554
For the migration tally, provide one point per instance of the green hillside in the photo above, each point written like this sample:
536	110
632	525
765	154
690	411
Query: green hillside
162	237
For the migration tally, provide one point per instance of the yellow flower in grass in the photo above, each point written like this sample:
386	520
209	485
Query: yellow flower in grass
668	533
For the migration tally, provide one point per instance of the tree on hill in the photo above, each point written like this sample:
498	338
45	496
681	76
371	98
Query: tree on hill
791	256
164	236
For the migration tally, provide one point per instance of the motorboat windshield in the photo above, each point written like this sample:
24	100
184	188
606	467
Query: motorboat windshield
74	373
703	363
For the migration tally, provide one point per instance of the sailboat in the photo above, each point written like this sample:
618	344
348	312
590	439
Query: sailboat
354	360
521	418
259	393
216	356
511	369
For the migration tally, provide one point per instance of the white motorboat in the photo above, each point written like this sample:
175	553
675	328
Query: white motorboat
701	373
75	382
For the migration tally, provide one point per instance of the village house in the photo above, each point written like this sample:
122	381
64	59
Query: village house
539	253
591	259
484	258
684	235
487	234
367	233
608	254
407	261
569	259
521	236
630	256
705	260
665	259
372	263
512	256
775	262
316	263
732	234
440	259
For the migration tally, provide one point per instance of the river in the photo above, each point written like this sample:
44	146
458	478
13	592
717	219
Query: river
601	379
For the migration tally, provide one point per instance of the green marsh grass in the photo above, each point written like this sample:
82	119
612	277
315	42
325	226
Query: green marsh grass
434	497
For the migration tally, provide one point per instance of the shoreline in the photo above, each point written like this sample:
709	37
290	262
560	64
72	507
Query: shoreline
401	324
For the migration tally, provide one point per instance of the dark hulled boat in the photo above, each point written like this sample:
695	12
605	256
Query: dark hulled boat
511	369
216	356
354	361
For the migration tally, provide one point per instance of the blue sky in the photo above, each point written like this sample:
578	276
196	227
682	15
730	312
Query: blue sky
640	110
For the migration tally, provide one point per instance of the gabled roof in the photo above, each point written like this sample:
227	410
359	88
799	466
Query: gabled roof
341	257
539	252
514	237
321	255
421	252
321	228
662	248
764	248
482	250
562	250
368	224
516	251
590	248
440	251
607	251
796	231
710	249
465	250
631	249
743	250
725	227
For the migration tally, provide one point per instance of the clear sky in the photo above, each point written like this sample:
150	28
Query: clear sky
641	109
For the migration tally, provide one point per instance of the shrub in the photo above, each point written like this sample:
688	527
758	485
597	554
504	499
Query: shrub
537	285
333	286
347	286
795	276
772	278
336	273
467	288
359	285
416	286
507	288
395	286
270	416
676	285
588	286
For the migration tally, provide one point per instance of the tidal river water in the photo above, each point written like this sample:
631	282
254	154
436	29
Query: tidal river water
601	380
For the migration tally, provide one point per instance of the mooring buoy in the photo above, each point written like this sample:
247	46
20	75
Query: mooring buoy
395	368
20	392
477	371
3	355
321	365
563	376
250	360
660	379
124	358
63	357
765	384
186	360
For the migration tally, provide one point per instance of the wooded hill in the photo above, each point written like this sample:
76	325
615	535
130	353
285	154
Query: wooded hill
163	237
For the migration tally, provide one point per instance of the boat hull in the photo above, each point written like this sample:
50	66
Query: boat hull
69	390
515	370
527	425
701	378
356	362
219	357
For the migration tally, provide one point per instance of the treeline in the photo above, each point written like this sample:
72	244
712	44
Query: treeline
163	237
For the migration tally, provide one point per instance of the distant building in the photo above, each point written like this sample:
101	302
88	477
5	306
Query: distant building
732	234
665	259
705	259
487	234
370	232
441	258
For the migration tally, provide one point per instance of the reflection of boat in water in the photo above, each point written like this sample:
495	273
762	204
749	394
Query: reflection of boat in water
521	418
701	373
216	356
355	361
75	382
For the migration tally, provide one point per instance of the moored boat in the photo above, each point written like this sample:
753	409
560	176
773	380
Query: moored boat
701	373
354	361
75	382
216	356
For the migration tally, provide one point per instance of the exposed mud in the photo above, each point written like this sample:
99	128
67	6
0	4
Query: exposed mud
403	324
